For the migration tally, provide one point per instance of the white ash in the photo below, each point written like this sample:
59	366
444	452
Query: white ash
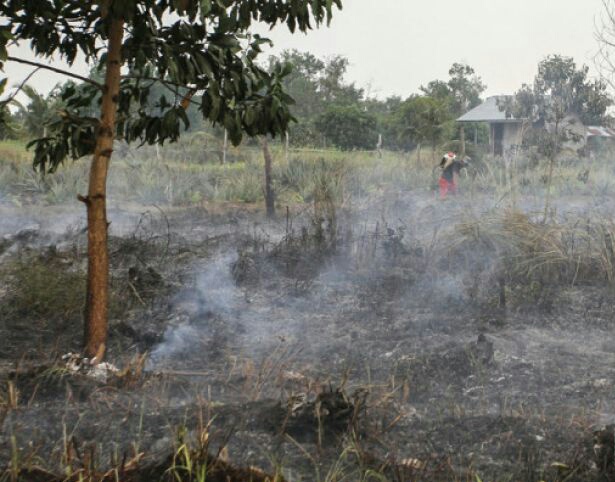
81	365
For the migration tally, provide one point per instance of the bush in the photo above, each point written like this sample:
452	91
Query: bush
349	127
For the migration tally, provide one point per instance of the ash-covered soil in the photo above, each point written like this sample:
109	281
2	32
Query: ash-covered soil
322	354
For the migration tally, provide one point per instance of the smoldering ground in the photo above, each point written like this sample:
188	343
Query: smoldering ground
480	337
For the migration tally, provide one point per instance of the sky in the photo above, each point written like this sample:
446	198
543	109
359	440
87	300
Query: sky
395	46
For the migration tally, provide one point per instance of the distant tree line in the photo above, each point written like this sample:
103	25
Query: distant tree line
331	112
334	113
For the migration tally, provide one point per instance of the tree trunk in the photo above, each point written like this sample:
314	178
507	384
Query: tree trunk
552	157
97	294
548	194
269	195
463	141
418	154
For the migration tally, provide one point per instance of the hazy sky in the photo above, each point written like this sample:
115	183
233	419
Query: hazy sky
398	45
395	46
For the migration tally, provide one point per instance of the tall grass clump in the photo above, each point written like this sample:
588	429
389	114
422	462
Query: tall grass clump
521	253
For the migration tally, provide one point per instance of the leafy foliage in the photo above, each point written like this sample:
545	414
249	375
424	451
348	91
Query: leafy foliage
462	91
560	97
203	57
423	120
39	111
315	84
9	126
349	127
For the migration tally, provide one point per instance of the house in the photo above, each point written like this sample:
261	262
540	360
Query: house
599	138
505	132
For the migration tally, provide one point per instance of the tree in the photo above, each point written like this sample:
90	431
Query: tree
315	84
302	83
39	111
195	48
462	91
8	125
349	127
332	86
437	89
605	34
466	88
385	111
560	97
423	120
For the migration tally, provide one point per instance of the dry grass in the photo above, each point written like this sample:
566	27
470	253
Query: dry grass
184	174
571	251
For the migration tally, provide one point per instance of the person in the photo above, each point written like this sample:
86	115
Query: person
450	170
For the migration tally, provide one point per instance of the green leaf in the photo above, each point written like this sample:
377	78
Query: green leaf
225	41
205	7
287	68
250	116
204	64
275	106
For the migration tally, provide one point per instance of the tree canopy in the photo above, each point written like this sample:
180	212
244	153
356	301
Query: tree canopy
561	89
423	119
200	51
349	127
317	86
462	90
561	95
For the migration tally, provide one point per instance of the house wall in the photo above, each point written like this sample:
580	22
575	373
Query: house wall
512	137
505	137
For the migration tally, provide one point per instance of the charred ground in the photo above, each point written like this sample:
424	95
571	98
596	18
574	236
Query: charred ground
390	337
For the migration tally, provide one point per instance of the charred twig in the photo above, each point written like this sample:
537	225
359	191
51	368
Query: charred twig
136	293
166	218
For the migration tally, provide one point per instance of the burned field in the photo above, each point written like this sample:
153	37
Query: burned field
398	339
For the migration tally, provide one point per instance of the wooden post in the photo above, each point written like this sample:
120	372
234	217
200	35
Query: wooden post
286	146
463	141
492	139
269	194
224	146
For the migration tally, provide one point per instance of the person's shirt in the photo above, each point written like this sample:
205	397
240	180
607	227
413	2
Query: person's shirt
453	168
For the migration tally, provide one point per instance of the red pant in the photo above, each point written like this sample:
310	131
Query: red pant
447	187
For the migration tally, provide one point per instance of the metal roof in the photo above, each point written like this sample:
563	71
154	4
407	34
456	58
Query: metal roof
488	111
599	131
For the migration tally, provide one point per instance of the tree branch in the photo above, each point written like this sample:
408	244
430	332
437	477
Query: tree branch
56	70
174	88
20	87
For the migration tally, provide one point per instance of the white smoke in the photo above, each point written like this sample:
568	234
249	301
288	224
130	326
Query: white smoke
214	294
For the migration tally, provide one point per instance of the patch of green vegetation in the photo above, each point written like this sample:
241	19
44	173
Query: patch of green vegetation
43	289
13	151
47	291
